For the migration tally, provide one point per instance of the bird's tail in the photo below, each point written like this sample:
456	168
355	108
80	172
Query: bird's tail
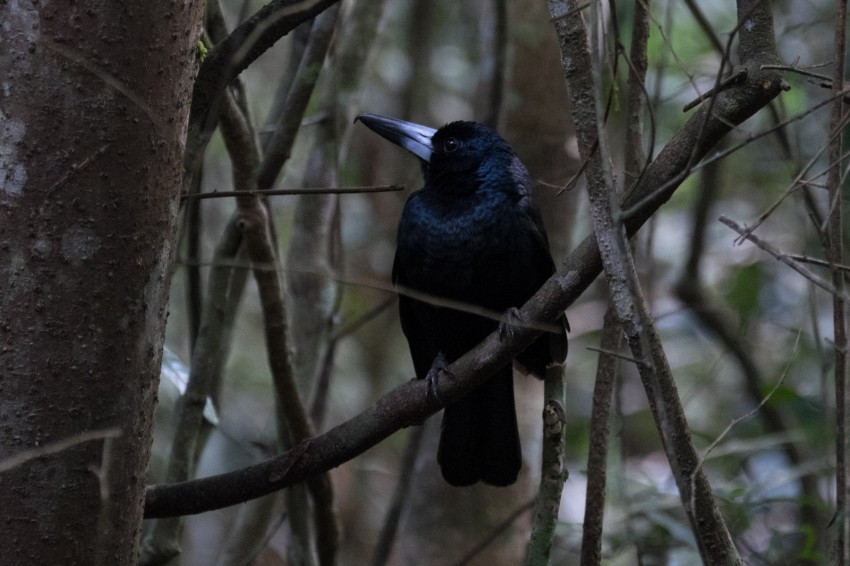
479	439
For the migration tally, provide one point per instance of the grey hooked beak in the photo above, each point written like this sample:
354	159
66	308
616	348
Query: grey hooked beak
413	137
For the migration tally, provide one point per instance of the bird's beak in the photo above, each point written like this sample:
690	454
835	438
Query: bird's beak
414	138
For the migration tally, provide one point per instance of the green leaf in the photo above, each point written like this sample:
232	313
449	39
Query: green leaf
743	296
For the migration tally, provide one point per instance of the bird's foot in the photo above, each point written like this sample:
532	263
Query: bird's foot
507	325
432	380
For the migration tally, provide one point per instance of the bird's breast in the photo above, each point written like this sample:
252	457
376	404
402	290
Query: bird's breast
454	248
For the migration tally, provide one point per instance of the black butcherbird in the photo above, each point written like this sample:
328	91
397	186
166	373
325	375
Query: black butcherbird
473	235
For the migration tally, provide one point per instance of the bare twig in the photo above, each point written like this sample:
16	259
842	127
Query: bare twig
494	533
827	81
818	262
28	454
313	294
753	137
493	40
726	83
323	374
818	79
402	488
399	290
745	233
720	437
757	45
305	191
798	180
705	26
281	142
618	355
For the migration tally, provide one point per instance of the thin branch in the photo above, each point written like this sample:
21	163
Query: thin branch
315	296
297	44
402	489
495	533
720	437
705	26
618	355
323	374
692	293
746	233
798	179
753	137
724	84
757	46
817	261
309	245
28	454
282	140
305	191
396	290
827	81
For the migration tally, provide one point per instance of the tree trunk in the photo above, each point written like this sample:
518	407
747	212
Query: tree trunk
93	116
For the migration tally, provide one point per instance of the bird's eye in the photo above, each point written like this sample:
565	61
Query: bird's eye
451	145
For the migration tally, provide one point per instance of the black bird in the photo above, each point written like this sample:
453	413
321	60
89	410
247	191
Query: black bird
472	235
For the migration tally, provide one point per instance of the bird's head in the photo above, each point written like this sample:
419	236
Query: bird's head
457	149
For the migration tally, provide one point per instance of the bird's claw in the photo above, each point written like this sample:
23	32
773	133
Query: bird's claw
508	322
432	379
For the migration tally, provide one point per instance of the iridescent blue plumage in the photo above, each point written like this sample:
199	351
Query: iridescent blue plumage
472	234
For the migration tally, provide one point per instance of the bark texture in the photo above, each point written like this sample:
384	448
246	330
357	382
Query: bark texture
93	118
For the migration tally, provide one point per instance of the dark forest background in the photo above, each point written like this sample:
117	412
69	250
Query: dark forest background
748	339
153	150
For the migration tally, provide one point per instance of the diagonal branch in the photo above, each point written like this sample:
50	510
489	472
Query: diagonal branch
746	233
232	56
288	123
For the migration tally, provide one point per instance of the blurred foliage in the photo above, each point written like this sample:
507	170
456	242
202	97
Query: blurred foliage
424	65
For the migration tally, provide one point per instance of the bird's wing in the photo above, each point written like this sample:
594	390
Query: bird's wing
542	256
549	347
413	315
